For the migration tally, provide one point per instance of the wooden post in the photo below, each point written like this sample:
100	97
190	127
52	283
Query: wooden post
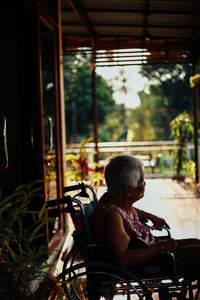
195	115
94	99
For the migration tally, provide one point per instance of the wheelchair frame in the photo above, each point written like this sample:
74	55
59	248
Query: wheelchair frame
92	278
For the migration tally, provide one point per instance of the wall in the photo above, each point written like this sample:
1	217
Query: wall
18	91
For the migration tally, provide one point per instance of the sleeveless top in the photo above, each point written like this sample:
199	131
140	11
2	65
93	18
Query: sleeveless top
132	227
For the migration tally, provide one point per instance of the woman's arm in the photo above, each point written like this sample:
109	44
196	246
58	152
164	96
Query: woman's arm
118	241
157	221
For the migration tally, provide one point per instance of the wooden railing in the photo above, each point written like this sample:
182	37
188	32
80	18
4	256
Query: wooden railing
131	147
143	150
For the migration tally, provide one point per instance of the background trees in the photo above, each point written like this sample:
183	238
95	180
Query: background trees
169	94
78	98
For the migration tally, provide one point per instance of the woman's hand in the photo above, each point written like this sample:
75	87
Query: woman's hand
159	223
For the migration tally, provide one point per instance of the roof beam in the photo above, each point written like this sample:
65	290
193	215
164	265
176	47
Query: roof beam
80	10
136	37
146	34
140	11
190	26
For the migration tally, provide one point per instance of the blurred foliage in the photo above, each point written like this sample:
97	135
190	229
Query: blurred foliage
82	167
189	166
182	131
169	94
22	255
78	98
195	81
50	160
115	125
182	128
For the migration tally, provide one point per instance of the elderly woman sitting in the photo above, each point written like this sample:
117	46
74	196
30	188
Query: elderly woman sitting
116	221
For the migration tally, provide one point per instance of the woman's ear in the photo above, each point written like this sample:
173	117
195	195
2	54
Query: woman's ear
129	190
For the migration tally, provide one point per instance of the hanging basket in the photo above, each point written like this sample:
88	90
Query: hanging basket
195	82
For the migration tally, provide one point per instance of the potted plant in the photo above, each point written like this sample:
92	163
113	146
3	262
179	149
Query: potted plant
182	131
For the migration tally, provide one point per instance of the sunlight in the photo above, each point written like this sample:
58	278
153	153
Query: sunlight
134	83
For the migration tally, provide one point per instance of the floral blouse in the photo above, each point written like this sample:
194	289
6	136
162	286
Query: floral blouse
132	227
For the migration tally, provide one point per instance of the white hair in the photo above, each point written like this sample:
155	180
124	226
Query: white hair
121	171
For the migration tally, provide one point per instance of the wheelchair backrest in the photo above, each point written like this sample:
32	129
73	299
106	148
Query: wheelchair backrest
85	218
81	211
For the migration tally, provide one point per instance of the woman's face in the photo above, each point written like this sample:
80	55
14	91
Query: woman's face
135	194
140	189
138	192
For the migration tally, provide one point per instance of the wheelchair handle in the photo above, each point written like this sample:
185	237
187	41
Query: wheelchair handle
66	200
81	186
58	201
70	188
163	228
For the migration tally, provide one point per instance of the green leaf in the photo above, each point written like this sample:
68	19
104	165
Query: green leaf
42	210
35	231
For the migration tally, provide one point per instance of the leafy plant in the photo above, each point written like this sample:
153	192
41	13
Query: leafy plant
195	81
82	167
190	168
169	94
182	130
22	259
50	161
78	97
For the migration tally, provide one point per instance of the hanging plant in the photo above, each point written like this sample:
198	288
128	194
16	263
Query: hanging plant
195	81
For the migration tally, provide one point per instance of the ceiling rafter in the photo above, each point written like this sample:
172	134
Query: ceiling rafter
146	34
81	12
190	26
155	37
140	11
159	27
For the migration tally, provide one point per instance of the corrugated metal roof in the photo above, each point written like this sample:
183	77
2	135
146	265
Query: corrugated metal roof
167	30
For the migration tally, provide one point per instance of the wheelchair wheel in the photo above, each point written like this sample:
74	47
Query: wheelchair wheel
97	280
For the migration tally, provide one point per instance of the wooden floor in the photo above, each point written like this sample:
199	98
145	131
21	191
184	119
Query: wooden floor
179	207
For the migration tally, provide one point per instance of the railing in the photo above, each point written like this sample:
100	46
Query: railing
135	148
156	155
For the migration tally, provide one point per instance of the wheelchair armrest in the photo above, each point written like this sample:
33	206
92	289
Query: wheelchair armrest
168	235
96	246
152	227
97	252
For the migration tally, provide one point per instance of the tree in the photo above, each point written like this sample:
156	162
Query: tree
78	98
115	125
169	94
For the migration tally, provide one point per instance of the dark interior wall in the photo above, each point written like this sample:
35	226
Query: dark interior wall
18	91
9	104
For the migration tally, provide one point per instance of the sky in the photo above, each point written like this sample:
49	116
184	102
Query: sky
135	83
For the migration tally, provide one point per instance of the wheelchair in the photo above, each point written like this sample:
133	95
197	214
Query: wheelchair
89	274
